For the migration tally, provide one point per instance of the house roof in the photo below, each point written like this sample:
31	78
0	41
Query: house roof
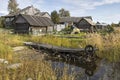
73	19
102	24
43	13
20	11
37	20
89	21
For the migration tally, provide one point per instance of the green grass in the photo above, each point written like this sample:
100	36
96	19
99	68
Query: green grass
109	48
57	41
38	70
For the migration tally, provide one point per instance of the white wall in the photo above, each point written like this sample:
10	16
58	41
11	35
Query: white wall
59	27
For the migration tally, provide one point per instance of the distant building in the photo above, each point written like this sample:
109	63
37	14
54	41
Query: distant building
30	10
83	23
32	24
101	26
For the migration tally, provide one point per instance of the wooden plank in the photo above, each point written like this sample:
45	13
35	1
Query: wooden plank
55	48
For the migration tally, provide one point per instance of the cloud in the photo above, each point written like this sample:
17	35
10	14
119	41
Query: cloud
3	12
113	18
25	3
89	4
3	7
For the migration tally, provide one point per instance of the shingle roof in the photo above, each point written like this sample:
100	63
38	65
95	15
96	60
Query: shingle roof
37	20
20	11
73	19
89	21
16	13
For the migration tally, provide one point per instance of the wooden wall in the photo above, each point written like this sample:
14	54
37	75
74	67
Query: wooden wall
84	25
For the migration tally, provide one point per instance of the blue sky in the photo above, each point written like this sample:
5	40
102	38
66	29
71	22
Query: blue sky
107	11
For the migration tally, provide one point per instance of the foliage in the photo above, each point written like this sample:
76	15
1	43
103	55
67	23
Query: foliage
1	22
67	30
109	48
56	41
64	13
108	45
12	6
55	17
110	29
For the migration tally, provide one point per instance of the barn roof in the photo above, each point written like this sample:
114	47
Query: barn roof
16	13
37	20
89	21
43	13
73	19
22	10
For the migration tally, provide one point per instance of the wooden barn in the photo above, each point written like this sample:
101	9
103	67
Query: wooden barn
86	25
32	24
30	10
83	23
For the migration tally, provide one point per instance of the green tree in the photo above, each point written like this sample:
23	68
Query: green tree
55	17
64	13
12	6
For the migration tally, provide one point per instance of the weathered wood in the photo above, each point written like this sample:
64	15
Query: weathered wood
55	48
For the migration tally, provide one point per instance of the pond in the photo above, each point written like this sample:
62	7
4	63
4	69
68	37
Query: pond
97	69
100	69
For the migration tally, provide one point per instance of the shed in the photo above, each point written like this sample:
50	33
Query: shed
86	24
32	24
83	23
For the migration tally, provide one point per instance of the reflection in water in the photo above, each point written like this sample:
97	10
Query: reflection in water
84	65
95	69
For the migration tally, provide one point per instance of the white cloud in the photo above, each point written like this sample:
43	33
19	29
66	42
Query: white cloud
89	4
25	3
113	18
3	7
3	12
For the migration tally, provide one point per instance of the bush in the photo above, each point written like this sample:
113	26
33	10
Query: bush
1	22
67	30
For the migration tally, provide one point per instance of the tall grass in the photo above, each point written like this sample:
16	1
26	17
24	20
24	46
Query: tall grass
57	41
35	69
109	45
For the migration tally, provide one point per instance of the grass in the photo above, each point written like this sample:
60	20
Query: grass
57	41
109	48
37	70
109	45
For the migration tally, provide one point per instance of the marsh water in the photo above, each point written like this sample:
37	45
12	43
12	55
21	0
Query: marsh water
100	69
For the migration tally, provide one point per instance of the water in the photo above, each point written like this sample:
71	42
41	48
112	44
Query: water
97	69
100	69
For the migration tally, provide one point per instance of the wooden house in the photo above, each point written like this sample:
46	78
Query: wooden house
30	10
86	24
32	24
83	23
101	26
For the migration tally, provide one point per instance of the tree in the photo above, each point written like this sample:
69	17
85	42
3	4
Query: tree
12	6
64	13
55	17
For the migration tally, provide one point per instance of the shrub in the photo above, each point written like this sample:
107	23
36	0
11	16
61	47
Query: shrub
1	22
67	30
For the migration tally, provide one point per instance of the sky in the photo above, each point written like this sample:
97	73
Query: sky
107	11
